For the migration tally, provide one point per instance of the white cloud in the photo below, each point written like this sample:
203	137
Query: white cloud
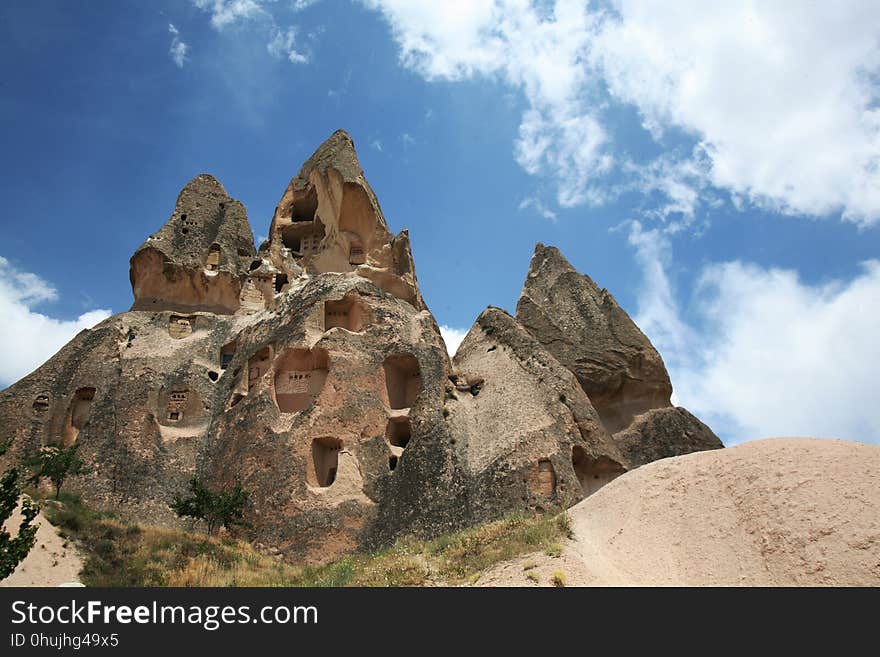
781	99
28	338
452	337
283	44
377	144
534	203
227	12
767	355
178	48
781	96
543	53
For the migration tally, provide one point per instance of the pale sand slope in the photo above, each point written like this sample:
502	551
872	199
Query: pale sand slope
777	512
51	562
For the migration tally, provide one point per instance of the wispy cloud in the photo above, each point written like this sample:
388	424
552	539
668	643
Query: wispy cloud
537	205
178	49
283	44
377	144
28	337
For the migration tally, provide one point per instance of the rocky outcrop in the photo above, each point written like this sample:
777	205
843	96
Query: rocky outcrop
664	432
329	220
585	328
312	373
197	261
527	434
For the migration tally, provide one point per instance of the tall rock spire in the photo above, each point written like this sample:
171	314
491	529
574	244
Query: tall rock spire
585	328
329	220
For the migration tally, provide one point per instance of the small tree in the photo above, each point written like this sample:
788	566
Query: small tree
223	509
55	464
14	550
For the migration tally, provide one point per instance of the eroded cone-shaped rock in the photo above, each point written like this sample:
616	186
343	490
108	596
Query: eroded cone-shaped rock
524	429
664	432
197	260
329	220
588	332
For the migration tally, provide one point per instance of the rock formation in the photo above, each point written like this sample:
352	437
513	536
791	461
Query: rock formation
589	333
312	373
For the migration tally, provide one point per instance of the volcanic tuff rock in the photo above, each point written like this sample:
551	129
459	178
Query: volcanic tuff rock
664	432
312	373
588	332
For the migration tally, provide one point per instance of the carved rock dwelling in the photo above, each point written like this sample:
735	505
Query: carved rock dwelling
311	371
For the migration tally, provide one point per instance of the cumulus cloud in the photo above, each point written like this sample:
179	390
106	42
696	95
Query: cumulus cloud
543	53
780	99
452	337
767	354
178	48
227	12
28	337
782	96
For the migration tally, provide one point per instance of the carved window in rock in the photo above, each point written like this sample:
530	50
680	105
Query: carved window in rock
258	365
325	461
77	415
180	327
350	313
403	380
41	404
227	353
176	405
542	479
299	378
356	254
213	261
310	244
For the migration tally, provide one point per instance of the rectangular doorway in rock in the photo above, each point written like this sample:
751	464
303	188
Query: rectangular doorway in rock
356	255
350	313
398	432
176	405
77	415
325	461
258	365
299	378
542	479
213	261
403	380
593	473
180	327
227	352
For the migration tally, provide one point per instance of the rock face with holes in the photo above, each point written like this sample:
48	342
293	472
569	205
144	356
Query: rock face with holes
198	260
527	435
311	372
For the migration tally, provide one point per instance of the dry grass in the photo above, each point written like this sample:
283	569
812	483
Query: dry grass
122	554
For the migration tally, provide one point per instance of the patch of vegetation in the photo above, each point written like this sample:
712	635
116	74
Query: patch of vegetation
14	550
217	508
558	578
122	554
56	464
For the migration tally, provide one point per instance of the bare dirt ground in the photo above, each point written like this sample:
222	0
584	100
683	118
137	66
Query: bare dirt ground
51	562
775	512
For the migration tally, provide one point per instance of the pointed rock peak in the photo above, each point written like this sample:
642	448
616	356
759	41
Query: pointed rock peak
337	152
205	184
588	332
195	260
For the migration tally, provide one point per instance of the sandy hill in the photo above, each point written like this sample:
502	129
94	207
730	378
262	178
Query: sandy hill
776	512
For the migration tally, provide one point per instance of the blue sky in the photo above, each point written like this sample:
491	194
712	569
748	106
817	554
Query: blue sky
717	169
